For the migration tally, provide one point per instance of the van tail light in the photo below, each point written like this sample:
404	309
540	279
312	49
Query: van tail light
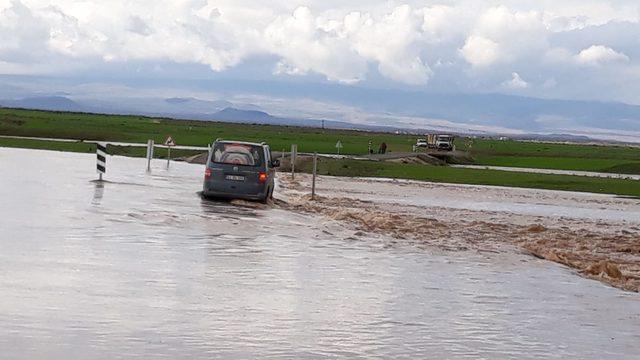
262	177
207	173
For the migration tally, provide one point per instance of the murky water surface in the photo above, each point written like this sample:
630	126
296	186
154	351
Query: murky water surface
141	267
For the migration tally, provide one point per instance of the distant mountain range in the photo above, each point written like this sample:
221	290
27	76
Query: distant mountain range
509	111
521	112
53	103
187	109
342	106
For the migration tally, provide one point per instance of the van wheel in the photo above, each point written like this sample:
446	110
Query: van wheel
266	197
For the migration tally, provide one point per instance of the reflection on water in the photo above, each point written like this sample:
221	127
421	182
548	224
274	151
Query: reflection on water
98	192
110	270
225	208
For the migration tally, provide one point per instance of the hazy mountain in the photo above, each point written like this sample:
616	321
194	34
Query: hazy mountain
515	112
304	104
494	110
261	117
191	104
253	116
54	103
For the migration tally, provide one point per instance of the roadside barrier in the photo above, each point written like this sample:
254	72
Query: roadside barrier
101	159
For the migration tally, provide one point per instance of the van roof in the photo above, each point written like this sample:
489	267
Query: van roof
239	142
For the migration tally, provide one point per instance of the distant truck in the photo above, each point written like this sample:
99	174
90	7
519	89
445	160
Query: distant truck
444	142
436	141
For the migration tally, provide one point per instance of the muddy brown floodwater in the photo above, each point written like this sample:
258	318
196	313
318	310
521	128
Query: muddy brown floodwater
599	235
140	267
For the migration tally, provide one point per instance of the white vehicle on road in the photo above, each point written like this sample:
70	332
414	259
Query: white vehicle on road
435	141
444	142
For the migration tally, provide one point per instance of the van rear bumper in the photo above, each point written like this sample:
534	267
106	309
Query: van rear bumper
226	195
217	190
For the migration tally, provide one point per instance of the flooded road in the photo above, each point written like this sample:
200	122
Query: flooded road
140	267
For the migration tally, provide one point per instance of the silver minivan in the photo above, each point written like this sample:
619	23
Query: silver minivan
239	170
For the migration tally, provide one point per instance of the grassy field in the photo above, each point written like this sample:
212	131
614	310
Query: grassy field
197	133
473	176
200	133
614	159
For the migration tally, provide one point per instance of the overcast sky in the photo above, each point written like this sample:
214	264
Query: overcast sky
569	49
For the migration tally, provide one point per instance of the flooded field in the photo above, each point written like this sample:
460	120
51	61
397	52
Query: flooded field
140	267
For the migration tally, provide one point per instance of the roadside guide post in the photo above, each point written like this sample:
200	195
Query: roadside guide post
369	148
101	159
149	154
294	153
339	146
169	143
315	170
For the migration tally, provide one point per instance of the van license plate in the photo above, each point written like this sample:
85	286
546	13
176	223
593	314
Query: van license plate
235	177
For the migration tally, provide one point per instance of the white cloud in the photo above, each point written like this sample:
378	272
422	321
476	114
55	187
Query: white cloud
501	35
480	51
598	55
393	41
516	82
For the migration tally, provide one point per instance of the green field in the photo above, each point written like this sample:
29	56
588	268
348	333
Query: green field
139	129
200	133
474	176
613	159
197	133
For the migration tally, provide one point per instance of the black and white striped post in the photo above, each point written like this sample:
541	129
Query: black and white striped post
101	155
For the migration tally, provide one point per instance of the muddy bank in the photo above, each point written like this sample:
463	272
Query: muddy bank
606	250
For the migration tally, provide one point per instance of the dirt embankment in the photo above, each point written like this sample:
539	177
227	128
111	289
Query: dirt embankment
609	256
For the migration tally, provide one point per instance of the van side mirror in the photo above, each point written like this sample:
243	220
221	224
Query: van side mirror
275	163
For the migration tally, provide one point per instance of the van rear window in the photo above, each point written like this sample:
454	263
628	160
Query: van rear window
237	154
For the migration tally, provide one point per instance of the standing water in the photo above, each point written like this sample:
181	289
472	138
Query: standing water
141	267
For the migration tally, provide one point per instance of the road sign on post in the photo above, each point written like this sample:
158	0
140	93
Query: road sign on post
169	143
101	157
339	146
